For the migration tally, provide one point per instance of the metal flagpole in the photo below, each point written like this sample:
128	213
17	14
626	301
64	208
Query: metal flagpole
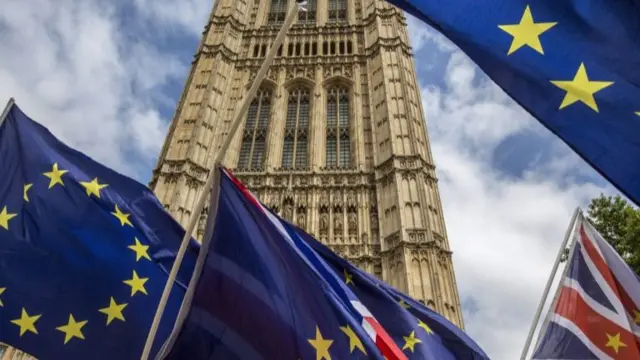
547	287
545	322
195	215
5	112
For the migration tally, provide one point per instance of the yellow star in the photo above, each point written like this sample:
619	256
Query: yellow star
614	342
581	89
140	250
93	187
137	284
321	345
526	32
411	341
425	327
55	175
638	113
354	340
636	315
403	304
72	329
5	217
348	278
113	311
24	192
26	322
123	217
2	290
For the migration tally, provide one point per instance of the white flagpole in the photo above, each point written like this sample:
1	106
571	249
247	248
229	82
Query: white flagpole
5	112
545	322
195	215
547	287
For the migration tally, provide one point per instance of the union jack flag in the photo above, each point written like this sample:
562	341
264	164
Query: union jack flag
596	312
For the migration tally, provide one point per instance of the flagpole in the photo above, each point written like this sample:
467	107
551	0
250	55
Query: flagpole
547	287
195	215
5	112
545	322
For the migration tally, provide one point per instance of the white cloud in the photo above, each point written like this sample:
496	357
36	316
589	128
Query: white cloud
189	15
74	68
504	231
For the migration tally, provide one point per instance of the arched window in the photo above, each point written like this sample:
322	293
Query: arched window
309	16
255	132
277	12
294	152
337	10
338	145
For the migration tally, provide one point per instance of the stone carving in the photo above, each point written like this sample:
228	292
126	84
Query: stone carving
324	198
324	223
293	73
337	224
347	71
337	197
301	221
273	75
351	198
302	200
288	213
353	223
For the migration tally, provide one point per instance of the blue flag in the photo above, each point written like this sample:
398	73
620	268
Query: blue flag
260	291
418	329
573	64
84	251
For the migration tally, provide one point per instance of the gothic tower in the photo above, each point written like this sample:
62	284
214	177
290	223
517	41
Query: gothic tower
335	140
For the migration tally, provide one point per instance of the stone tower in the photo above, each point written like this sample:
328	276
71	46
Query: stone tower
334	141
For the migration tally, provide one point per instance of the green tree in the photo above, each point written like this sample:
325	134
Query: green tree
619	223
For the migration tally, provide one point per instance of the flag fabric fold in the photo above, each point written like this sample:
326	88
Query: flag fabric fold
262	291
574	65
84	251
597	308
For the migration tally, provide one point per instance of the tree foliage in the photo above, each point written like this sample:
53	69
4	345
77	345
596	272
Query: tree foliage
619	223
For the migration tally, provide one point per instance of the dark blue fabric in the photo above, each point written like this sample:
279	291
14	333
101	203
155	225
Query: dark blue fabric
256	298
261	295
65	253
579	272
604	35
560	343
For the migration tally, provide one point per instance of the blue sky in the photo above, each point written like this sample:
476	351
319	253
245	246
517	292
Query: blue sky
105	77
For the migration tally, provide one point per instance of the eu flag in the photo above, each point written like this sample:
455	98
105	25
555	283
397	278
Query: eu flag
419	330
573	64
260	291
84	251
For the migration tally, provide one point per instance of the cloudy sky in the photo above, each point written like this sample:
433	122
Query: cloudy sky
105	76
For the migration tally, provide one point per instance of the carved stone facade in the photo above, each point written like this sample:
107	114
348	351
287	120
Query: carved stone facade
335	141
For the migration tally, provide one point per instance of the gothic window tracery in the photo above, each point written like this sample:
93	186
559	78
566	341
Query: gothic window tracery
338	145
255	132
337	11
295	151
309	16
277	12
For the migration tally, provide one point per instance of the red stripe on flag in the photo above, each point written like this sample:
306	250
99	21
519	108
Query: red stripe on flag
607	274
243	189
384	342
595	326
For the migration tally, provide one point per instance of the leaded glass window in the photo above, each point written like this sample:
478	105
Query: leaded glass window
254	137
295	151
